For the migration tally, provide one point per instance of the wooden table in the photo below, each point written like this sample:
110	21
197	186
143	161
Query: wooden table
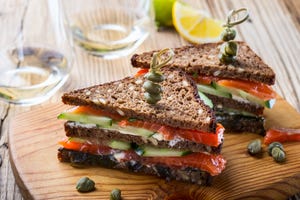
273	32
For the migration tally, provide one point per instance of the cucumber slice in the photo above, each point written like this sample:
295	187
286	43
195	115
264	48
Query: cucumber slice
105	122
268	103
148	151
87	119
213	91
119	145
206	100
225	89
76	139
136	131
245	95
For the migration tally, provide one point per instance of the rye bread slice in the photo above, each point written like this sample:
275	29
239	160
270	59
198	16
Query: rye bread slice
74	129
187	174
203	60
223	102
180	105
241	123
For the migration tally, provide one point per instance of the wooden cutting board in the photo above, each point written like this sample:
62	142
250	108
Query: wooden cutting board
33	147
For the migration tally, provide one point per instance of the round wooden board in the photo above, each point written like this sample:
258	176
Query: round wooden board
33	147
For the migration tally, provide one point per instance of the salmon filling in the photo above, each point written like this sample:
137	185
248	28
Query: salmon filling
168	133
211	163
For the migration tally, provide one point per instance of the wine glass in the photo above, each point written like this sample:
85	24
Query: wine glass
36	51
109	29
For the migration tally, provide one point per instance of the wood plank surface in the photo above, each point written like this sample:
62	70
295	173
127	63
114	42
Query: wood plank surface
34	135
273	32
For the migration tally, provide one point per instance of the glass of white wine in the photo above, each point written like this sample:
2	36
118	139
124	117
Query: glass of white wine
36	50
109	28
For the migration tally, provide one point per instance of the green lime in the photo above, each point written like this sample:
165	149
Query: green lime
163	12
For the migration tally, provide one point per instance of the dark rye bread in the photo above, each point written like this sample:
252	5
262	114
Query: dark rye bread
180	105
188	174
241	123
223	102
74	129
203	60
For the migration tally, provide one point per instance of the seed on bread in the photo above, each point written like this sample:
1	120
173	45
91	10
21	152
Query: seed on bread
131	87
88	93
184	83
200	111
103	101
240	70
120	112
95	100
139	81
120	85
171	76
207	119
217	73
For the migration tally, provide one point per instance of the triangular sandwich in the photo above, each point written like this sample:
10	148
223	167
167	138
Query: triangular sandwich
239	91
113	126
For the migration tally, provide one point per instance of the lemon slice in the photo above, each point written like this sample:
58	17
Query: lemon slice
194	24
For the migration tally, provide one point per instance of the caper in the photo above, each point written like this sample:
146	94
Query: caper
231	48
85	184
228	34
254	147
274	144
155	77
152	88
152	98
115	194
226	59
278	154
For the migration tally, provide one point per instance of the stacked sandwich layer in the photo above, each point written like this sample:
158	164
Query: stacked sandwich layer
113	126
238	92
